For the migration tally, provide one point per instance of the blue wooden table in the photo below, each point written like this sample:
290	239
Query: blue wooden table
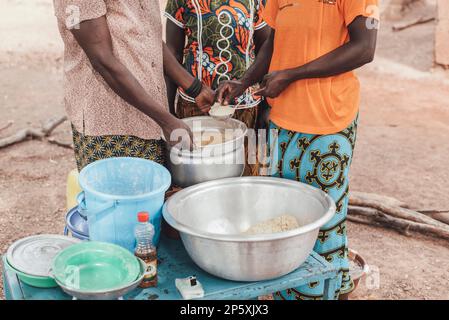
175	263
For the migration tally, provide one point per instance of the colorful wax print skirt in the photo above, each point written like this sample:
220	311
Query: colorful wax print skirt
92	148
322	161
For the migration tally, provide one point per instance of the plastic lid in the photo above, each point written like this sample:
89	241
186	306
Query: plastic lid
143	216
34	255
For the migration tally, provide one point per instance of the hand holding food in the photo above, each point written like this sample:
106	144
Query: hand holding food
228	90
221	112
177	132
205	99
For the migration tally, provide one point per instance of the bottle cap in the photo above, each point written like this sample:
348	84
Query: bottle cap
143	216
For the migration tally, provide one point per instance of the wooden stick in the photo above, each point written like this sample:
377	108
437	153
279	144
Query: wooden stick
25	134
390	201
439	215
369	215
10	122
67	145
397	212
408	24
431	212
52	124
373	222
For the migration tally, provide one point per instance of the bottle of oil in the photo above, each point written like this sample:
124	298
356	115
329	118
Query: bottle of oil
145	249
73	188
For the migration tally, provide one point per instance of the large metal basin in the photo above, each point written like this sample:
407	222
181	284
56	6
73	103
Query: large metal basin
212	216
213	161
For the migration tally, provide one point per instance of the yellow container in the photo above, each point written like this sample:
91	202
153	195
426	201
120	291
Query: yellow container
73	189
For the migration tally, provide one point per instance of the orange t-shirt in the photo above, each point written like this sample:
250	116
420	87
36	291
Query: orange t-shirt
305	31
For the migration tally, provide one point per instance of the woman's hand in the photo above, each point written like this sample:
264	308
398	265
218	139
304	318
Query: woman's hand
274	84
177	132
205	99
228	90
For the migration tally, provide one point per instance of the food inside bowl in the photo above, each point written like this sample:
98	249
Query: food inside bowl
219	111
208	137
279	224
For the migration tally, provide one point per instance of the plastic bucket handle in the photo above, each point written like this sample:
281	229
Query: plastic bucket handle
81	199
99	213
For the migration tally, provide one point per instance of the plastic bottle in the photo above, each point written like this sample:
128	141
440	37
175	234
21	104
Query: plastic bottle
73	189
145	249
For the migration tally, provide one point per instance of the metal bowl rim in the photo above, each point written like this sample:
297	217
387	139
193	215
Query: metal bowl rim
199	150
246	238
108	291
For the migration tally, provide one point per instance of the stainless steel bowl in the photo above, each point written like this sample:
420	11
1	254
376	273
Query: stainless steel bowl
213	161
212	216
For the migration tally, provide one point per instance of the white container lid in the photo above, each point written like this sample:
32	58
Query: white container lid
34	255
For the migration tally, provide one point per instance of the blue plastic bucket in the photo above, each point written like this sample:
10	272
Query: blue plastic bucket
115	190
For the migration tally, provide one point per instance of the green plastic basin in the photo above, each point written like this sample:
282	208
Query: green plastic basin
39	282
95	267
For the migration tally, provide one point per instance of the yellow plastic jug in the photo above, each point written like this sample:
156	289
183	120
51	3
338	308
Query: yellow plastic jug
73	189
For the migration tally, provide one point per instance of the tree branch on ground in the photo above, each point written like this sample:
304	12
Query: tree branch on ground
407	24
375	217
386	207
31	133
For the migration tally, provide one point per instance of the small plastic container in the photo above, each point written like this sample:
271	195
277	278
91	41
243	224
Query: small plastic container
73	189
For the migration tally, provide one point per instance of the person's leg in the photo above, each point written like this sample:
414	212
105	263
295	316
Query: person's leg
92	148
322	161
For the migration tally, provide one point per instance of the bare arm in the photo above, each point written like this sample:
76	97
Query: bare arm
179	76
95	39
175	41
174	70
359	50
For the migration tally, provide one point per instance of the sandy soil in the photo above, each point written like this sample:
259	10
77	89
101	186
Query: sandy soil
401	149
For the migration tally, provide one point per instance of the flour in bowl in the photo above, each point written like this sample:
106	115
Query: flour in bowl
219	111
278	224
208	137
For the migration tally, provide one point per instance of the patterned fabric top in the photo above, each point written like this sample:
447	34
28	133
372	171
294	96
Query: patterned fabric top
136	32
221	32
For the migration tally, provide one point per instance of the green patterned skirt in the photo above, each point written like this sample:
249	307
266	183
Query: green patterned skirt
322	161
92	148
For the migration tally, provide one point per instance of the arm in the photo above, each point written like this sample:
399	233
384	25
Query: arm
174	70
263	109
228	90
95	39
358	51
179	76
175	40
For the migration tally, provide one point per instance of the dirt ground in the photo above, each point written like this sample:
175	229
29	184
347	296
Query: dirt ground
401	150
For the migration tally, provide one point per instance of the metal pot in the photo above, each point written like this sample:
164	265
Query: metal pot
209	162
212	216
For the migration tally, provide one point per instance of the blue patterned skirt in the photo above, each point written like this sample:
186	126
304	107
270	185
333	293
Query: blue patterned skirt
322	161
